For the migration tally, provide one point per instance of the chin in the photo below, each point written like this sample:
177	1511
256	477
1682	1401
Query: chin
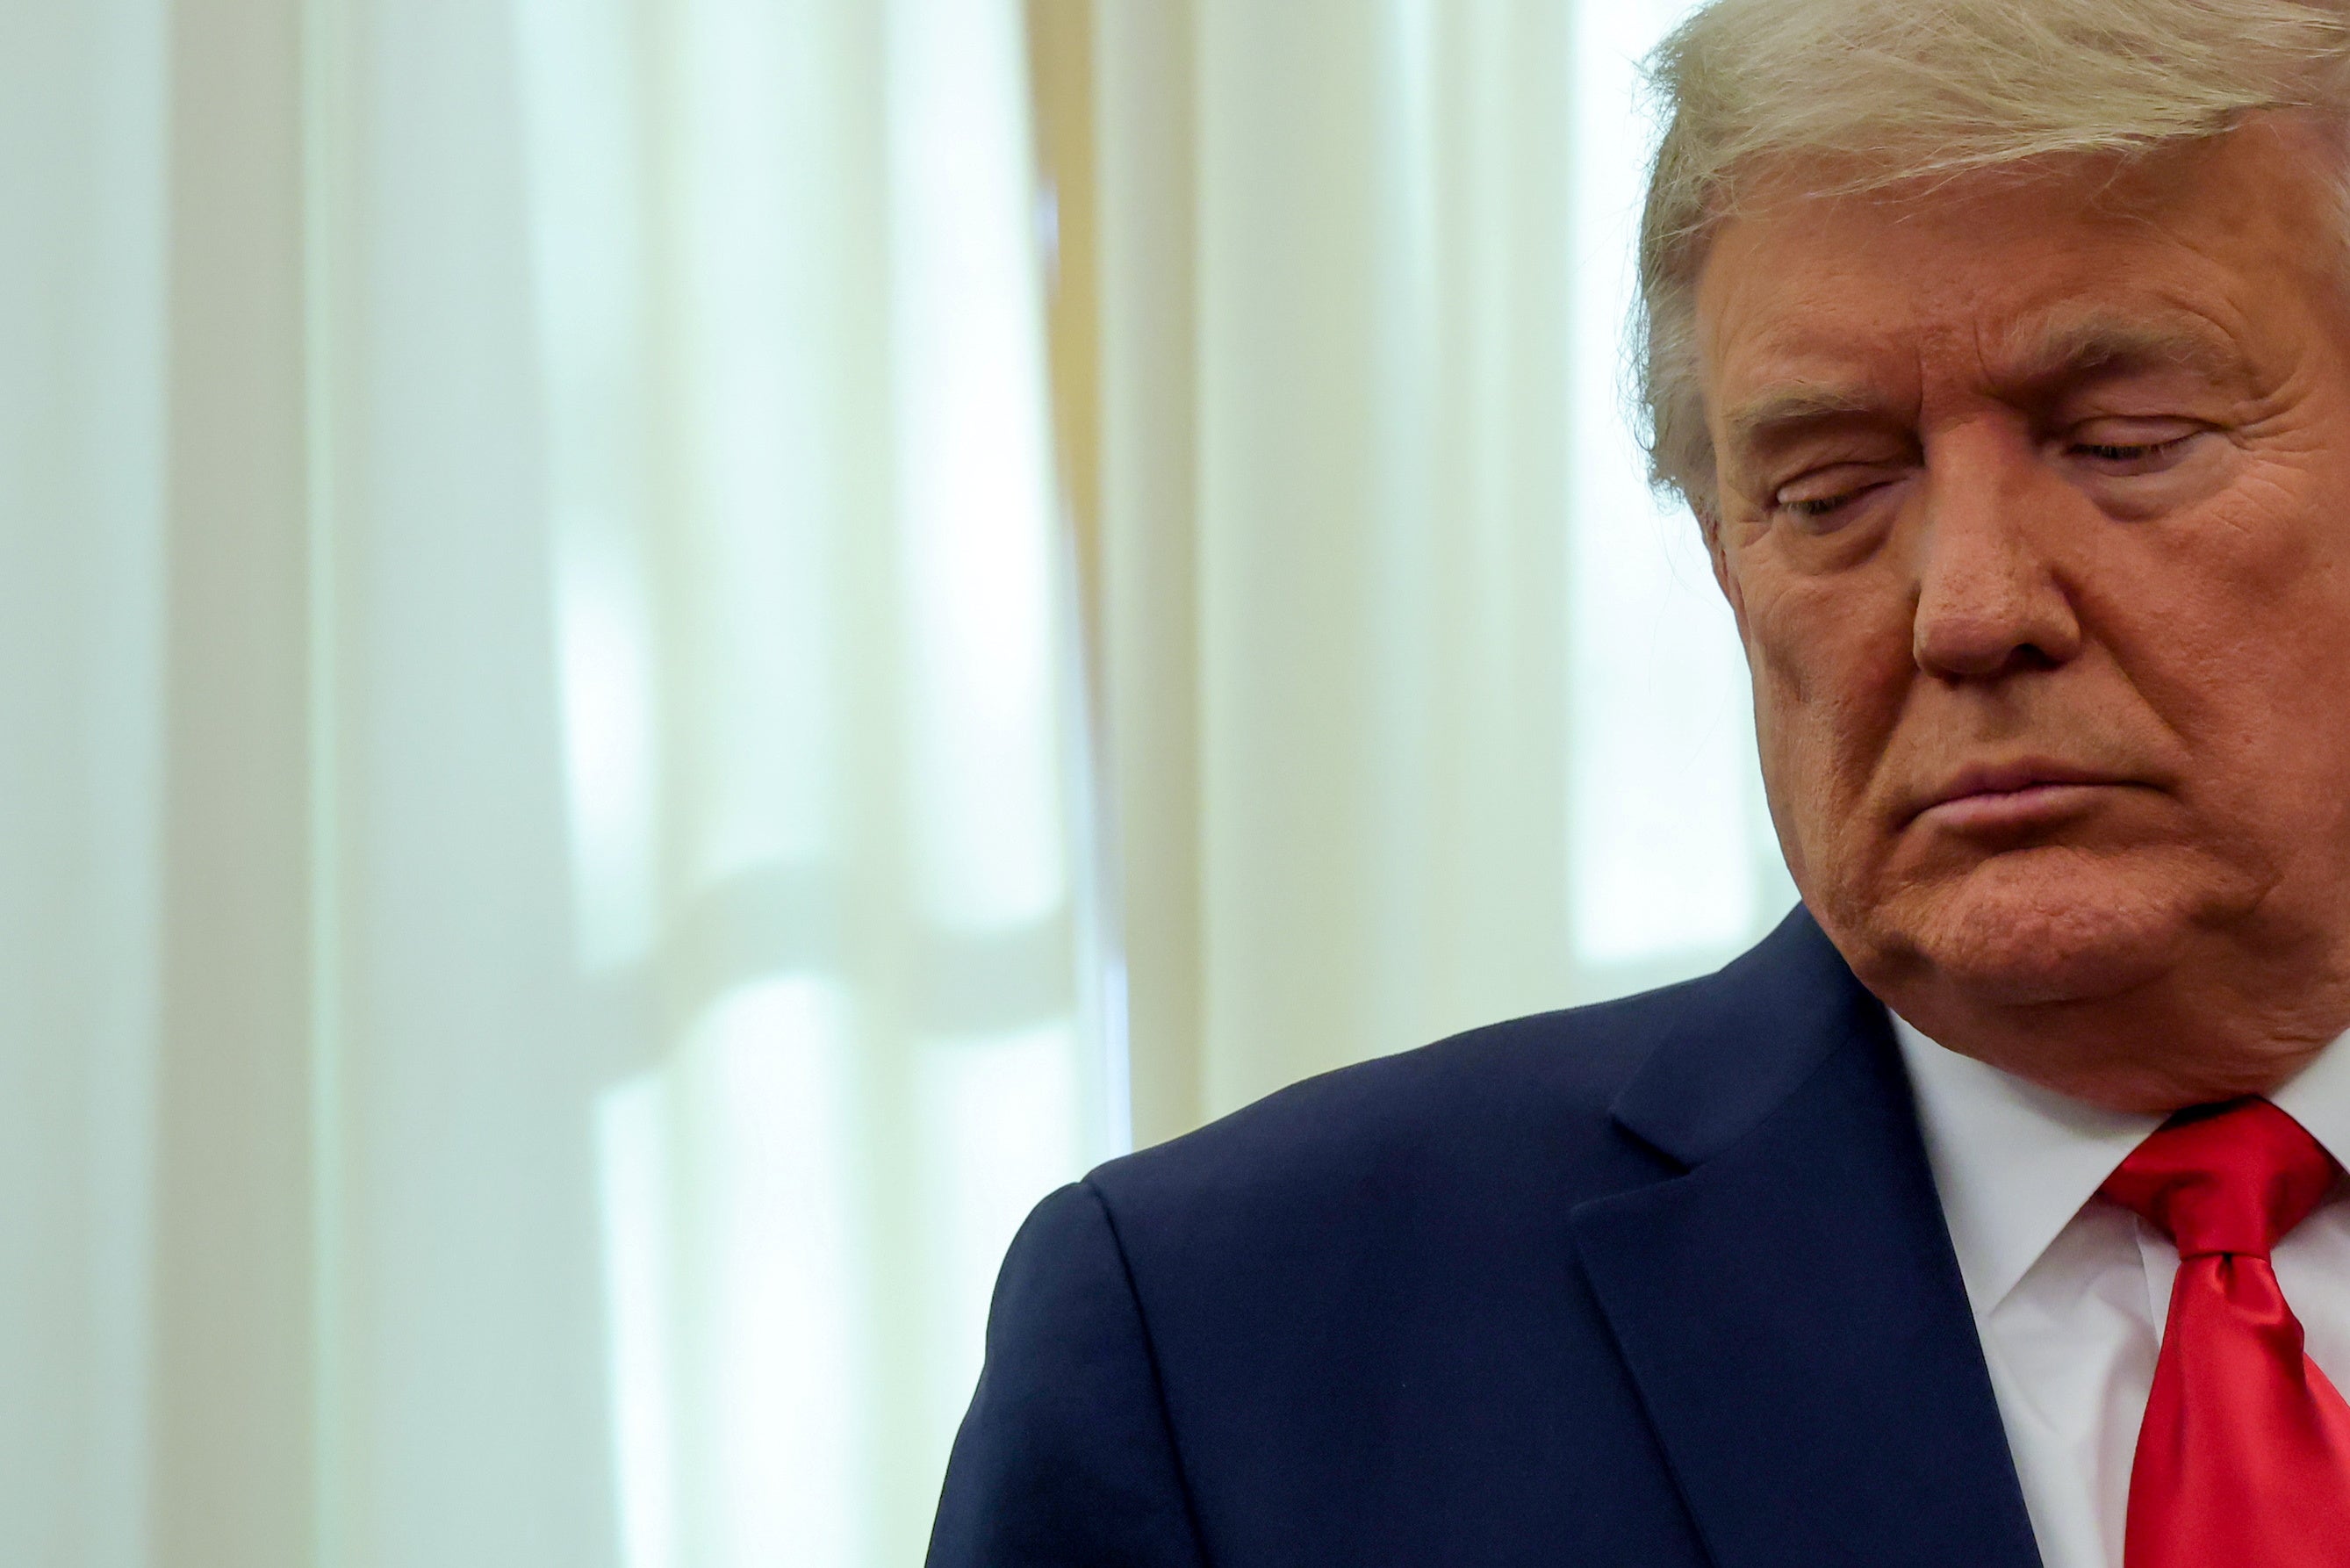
2042	926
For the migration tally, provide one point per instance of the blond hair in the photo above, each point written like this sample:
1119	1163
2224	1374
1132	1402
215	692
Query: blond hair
1892	92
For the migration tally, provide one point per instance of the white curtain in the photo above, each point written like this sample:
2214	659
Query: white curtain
1422	712
83	178
556	910
548	865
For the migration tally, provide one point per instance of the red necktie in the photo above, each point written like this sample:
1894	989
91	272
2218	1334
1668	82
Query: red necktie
2244	1458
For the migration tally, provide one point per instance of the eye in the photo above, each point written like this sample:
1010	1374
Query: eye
1816	497
2109	451
2124	448
1820	506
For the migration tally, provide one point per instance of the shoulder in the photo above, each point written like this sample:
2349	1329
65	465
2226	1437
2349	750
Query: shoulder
1191	1345
1523	1102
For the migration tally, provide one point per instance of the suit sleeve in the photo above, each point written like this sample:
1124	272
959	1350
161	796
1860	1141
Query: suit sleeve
1066	1459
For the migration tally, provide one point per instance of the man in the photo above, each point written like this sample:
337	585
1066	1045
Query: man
2002	349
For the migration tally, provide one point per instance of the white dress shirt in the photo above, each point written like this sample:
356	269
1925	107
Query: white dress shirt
2070	1292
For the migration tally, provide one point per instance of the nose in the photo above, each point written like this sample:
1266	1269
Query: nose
1990	600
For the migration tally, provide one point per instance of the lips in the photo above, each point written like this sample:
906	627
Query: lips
2005	792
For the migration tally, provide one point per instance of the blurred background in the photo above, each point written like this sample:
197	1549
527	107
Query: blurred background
659	657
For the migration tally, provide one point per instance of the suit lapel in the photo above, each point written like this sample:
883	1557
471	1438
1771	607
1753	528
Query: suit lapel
1791	1307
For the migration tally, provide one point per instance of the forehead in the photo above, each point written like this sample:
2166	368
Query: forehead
2217	253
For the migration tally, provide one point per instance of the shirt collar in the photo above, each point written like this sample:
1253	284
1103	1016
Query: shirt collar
2318	1097
2014	1162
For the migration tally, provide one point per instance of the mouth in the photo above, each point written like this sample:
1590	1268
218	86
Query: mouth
2011	795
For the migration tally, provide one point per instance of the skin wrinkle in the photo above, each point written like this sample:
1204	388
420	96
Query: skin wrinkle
1950	369
1675	374
2096	344
1961	89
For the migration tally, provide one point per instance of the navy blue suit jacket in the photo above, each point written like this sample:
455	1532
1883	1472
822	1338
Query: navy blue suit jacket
1661	1282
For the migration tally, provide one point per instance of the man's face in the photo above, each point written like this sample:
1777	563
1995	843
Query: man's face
2035	515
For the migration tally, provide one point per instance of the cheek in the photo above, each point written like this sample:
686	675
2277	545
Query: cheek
1830	661
2234	627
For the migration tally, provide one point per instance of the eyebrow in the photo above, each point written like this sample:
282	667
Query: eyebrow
1787	410
2061	350
2103	345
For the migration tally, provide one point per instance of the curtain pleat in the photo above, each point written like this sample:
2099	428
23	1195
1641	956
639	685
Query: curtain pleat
1423	711
661	657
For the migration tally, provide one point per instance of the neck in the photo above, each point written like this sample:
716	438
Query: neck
2155	1049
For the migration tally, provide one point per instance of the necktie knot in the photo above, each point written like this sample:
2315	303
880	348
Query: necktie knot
2234	1180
